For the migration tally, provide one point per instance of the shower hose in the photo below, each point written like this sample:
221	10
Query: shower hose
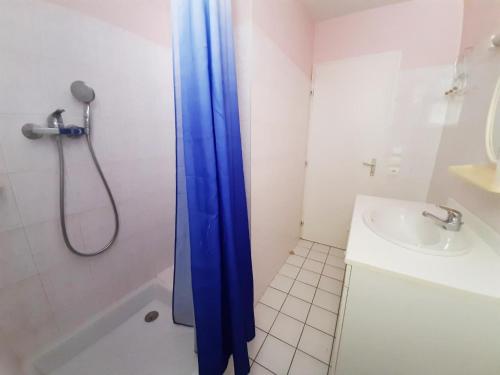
62	199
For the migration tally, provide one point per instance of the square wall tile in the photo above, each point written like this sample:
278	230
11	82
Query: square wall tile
16	261
327	300
296	308
308	277
287	329
273	298
303	291
40	204
316	343
47	244
333	272
303	364
10	217
289	270
3	166
275	355
24	307
282	283
312	265
264	317
322	319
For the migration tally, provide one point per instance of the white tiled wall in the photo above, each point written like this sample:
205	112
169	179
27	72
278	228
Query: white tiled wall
280	113
45	290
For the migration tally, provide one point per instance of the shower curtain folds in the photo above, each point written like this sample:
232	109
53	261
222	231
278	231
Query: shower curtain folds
213	282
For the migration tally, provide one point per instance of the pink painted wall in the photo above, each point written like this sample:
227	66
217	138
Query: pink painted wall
288	24
426	31
149	19
481	19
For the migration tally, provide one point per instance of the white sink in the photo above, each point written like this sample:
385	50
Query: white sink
407	227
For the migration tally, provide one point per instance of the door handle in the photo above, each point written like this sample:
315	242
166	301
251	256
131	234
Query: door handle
372	165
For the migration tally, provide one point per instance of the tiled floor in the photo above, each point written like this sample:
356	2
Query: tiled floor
297	314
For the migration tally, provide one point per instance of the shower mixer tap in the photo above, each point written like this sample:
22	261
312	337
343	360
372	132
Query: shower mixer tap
55	126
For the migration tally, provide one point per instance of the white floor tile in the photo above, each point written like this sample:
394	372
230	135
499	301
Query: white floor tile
337	252
264	317
308	277
322	319
296	308
287	329
317	256
257	369
305	243
330	285
334	272
255	345
300	251
327	300
333	260
316	343
289	270
230	367
312	265
295	260
275	355
273	298
302	291
282	283
321	248
303	364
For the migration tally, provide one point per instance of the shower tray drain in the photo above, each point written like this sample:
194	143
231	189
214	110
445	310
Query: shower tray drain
151	316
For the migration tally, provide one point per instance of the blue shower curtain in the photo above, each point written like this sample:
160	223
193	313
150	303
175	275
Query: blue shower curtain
213	283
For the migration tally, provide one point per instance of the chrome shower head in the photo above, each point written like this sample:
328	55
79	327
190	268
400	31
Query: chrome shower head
82	92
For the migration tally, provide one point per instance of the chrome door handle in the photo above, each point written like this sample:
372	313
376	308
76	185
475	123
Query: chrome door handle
372	165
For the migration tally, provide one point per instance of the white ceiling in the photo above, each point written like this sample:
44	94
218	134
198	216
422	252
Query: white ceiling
324	9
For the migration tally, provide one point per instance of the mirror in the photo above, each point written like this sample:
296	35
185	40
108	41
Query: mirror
493	126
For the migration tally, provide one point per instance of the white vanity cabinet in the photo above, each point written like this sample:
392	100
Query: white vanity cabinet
391	324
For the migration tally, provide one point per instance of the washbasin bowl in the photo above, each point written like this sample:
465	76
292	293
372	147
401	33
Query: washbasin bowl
407	228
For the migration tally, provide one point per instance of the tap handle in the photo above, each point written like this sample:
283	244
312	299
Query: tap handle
452	213
55	119
58	112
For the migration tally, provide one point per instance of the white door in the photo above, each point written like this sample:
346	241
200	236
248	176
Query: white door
351	109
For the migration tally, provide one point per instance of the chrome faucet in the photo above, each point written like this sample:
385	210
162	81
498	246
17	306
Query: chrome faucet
453	222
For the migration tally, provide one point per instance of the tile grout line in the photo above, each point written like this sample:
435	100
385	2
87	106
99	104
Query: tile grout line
287	294
268	333
303	300
326	333
274	321
307	317
330	364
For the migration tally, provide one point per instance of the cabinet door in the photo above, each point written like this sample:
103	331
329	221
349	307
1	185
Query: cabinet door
394	325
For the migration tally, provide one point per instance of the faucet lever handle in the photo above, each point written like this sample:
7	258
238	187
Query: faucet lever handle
57	113
55	119
452	213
